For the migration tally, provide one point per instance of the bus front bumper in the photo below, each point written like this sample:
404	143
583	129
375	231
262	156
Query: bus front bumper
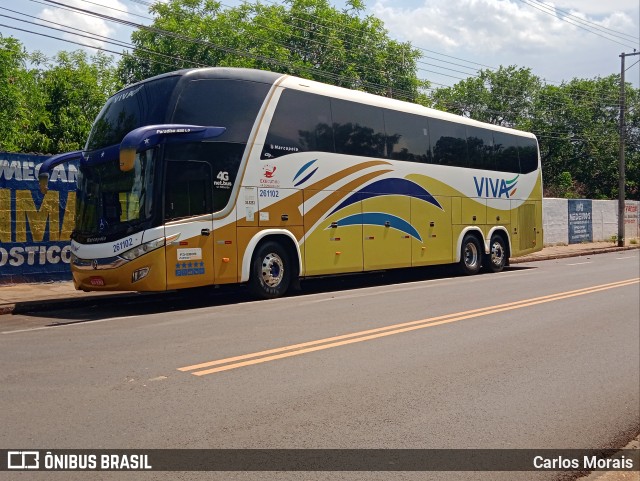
146	273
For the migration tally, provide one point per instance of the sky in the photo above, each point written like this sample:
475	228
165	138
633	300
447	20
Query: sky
558	41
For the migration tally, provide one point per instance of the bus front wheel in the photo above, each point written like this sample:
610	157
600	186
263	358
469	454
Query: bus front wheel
270	271
470	255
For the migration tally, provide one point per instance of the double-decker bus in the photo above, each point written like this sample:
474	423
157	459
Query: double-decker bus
221	175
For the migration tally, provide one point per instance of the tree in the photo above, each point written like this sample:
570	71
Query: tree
21	102
578	130
307	38
75	87
632	143
48	107
502	97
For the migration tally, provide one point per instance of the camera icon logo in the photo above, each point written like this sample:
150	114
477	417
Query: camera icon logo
23	460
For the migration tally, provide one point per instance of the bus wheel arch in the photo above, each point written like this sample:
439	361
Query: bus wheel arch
470	251
271	263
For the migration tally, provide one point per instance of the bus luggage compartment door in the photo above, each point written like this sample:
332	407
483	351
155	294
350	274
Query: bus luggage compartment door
387	232
334	243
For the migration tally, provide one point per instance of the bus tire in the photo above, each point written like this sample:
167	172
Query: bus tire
498	253
470	255
270	271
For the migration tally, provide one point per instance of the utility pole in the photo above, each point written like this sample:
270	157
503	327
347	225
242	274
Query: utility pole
621	166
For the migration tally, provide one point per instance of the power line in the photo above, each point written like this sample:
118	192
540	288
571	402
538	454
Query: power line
183	61
418	62
93	36
526	2
398	93
587	22
223	48
357	38
420	68
320	33
558	135
263	58
118	9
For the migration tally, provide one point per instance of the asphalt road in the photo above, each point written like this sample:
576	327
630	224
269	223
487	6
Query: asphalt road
543	355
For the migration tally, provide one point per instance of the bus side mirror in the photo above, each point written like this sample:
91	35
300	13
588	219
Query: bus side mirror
49	164
127	159
43	179
144	138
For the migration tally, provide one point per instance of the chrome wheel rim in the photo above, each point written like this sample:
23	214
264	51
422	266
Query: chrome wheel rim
272	270
497	254
470	255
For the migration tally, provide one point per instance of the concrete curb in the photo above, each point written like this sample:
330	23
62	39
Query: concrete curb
565	255
41	305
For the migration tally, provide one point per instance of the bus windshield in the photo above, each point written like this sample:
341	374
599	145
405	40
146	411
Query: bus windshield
112	203
138	105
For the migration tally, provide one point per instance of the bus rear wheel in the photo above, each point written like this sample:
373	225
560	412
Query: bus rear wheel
270	271
497	258
470	255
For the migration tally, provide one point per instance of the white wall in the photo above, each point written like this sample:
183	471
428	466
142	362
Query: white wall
555	219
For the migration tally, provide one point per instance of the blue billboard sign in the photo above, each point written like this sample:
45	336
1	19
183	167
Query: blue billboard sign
580	221
35	229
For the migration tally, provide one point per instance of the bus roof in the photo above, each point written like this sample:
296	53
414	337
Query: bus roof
297	83
389	103
236	73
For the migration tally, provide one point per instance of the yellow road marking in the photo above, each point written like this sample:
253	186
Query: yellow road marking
361	336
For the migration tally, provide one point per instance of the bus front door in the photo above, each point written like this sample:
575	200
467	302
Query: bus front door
188	201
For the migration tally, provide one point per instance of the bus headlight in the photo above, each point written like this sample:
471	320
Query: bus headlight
143	249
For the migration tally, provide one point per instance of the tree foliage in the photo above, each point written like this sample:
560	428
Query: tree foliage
75	87
307	38
502	97
48	106
21	101
578	126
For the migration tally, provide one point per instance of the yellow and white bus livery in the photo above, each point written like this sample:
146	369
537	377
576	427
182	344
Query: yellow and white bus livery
219	175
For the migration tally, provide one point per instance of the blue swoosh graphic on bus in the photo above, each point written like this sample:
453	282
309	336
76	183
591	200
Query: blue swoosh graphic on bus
302	170
389	187
380	219
306	178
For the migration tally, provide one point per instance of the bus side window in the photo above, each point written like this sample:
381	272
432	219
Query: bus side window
301	123
506	149
188	189
448	143
528	152
358	129
480	145
407	136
